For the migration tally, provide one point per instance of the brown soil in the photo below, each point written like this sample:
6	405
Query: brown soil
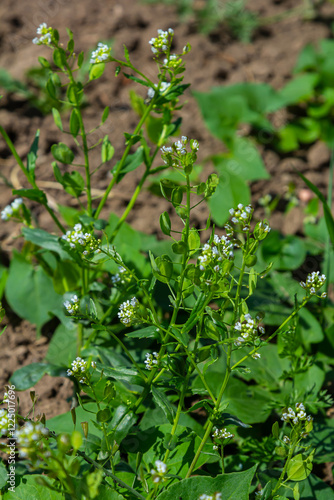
214	60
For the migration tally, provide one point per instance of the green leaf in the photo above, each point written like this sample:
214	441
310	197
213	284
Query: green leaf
29	375
73	183
180	247
131	163
32	194
230	191
233	486
81	58
63	345
105	114
59	57
32	156
327	213
310	328
299	89
45	240
144	333
161	400
96	71
27	285
107	150
29	489
62	153
164	268
120	373
299	467
74	123
243	160
57	119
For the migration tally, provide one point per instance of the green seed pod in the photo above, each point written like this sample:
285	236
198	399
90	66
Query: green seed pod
251	260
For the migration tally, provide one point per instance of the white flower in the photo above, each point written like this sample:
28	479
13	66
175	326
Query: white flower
151	360
45	35
158	475
72	306
100	54
314	281
128	311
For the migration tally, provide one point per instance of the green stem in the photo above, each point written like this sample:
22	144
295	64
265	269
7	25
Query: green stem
276	332
133	200
122	161
109	474
84	140
29	178
178	412
281	478
209	423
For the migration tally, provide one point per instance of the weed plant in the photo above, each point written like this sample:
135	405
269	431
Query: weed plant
191	379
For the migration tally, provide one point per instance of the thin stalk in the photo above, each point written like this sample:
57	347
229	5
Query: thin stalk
84	142
209	424
280	480
122	161
329	203
133	200
276	332
29	178
178	412
109	474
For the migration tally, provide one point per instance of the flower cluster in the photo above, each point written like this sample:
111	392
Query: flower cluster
174	61
242	215
220	435
122	277
213	253
297	415
11	210
161	44
163	87
177	154
128	312
159	473
80	369
261	230
4	422
215	496
100	54
314	281
85	243
247	331
28	438
45	33
72	306
151	360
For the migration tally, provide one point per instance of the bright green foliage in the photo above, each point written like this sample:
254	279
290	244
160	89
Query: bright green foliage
179	391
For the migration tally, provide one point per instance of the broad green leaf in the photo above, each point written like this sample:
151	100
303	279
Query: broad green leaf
131	163
44	239
27	285
230	191
299	467
233	486
243	160
298	89
143	333
59	57
310	328
164	268
62	153
32	194
73	183
29	489
63	345
29	375
105	114
119	373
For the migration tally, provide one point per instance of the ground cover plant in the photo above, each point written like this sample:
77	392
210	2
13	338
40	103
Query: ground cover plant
181	389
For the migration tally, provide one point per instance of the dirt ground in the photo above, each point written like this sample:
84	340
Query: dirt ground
216	59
